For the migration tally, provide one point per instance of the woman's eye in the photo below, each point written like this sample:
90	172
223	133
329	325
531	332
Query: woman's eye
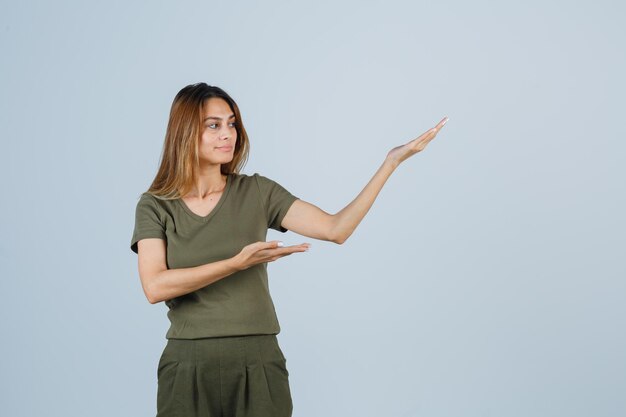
233	124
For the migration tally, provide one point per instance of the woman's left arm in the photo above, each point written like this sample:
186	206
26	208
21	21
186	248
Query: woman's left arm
309	220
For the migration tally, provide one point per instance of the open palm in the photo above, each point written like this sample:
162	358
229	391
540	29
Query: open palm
402	152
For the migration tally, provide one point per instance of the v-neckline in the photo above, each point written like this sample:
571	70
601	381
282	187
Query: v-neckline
215	209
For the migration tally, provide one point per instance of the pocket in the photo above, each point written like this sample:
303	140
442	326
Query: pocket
167	361
164	367
168	389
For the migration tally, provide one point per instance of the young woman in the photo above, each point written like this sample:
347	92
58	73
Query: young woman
200	234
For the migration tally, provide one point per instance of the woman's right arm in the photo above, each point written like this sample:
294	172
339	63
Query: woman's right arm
160	284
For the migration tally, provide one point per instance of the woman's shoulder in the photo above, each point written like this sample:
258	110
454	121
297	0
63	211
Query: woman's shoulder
147	198
256	179
246	178
243	175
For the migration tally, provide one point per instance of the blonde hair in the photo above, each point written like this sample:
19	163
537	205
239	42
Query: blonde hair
179	158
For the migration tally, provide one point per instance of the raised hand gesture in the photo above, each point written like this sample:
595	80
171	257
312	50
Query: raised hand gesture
402	152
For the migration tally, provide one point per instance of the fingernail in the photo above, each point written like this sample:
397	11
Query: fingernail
281	244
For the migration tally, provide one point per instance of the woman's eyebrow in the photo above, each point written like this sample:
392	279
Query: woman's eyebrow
218	118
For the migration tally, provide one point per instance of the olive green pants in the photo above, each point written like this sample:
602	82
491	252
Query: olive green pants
236	376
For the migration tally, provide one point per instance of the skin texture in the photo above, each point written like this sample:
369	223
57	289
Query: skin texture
304	218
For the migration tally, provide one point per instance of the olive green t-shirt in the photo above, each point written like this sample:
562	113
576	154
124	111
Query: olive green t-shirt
240	303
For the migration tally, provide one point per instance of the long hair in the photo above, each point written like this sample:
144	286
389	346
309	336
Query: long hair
179	158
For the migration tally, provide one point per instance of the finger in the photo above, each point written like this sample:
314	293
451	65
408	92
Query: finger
293	249
437	128
422	137
428	135
282	251
301	245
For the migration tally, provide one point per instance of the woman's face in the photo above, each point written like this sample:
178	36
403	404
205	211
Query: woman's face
219	135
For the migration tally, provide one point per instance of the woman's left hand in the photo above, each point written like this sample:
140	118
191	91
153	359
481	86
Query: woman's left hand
402	152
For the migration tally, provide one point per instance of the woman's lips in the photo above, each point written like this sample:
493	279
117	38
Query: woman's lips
225	148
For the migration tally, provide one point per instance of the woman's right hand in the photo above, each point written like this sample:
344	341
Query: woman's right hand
260	252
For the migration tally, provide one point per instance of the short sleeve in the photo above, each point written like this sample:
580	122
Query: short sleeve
276	201
148	222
